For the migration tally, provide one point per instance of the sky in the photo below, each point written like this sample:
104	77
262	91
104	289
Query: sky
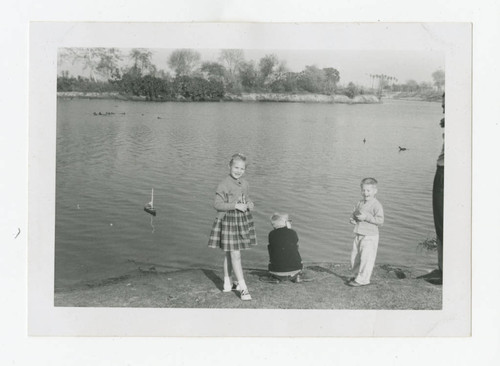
355	66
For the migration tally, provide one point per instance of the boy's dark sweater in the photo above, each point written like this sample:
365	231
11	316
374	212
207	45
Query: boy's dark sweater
283	250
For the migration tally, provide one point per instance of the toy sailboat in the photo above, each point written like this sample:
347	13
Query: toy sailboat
149	208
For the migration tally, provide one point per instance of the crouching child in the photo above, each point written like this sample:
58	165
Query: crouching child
285	262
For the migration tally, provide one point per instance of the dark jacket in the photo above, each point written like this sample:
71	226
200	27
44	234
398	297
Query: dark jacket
283	250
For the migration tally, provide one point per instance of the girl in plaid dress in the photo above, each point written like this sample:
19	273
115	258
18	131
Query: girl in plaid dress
233	229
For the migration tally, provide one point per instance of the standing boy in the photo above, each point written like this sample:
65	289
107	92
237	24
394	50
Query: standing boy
368	215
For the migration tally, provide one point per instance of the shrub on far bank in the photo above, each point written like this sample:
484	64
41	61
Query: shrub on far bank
429	244
350	91
198	89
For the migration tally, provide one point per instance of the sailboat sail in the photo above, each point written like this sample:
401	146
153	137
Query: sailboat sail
149	207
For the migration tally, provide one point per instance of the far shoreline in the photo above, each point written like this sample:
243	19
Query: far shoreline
261	98
245	97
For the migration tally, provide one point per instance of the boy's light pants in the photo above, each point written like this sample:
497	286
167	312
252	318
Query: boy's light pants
364	252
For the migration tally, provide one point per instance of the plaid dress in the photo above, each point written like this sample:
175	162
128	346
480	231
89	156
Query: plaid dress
232	229
235	231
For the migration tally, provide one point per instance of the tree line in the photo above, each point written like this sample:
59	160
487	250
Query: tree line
190	78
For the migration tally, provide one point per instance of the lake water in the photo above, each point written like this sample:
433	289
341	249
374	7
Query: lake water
304	159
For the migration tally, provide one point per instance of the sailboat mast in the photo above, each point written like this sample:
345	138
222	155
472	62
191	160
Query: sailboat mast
152	196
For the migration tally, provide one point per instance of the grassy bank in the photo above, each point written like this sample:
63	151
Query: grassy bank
392	288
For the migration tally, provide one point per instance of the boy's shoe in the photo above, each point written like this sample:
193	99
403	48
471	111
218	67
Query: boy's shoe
245	295
434	275
233	287
435	281
356	284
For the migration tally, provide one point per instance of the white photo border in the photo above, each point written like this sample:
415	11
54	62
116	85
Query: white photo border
454	39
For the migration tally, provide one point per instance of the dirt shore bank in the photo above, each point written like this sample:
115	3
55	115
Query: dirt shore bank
245	97
392	288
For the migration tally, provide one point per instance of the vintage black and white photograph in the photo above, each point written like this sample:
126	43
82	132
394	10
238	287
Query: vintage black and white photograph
221	176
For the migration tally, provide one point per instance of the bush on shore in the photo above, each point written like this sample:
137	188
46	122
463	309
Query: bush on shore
351	91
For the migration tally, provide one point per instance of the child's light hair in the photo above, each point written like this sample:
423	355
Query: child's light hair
238	156
369	181
278	218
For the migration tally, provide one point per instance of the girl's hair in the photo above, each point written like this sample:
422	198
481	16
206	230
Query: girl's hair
238	156
370	181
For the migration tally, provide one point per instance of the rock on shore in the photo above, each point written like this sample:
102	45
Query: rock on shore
391	288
